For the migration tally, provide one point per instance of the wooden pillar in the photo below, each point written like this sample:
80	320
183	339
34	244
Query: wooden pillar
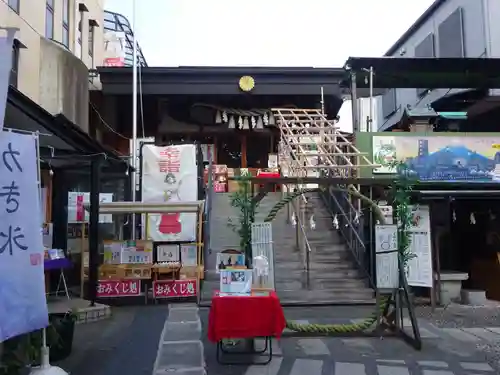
244	151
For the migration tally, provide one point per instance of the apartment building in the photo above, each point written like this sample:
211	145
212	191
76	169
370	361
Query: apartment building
449	28
56	44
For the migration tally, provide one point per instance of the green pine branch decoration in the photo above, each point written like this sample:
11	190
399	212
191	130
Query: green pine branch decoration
242	200
401	202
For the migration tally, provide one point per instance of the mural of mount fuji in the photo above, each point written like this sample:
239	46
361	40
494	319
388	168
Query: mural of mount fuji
441	158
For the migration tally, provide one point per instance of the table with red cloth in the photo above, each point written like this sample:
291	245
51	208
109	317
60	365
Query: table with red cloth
245	317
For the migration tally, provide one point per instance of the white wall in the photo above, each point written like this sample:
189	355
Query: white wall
31	25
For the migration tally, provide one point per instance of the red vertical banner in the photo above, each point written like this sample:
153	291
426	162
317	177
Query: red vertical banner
80	210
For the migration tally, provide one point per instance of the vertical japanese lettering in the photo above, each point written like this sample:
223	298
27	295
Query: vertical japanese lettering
170	160
13	235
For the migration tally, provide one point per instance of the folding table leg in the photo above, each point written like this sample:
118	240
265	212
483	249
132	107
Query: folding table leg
222	352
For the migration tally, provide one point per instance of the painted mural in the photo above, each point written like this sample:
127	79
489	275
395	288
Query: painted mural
440	158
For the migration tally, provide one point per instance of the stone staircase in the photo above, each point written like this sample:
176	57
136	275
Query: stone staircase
333	277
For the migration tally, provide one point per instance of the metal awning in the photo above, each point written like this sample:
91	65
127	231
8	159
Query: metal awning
425	73
61	141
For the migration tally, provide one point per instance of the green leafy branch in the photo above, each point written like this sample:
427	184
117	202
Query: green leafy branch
242	200
401	188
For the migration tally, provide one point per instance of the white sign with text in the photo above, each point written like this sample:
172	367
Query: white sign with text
23	305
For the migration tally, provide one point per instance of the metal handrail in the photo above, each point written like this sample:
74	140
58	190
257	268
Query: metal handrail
298	221
354	241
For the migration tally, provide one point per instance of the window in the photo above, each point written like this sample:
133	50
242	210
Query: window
91	41
49	19
78	46
92	25
451	35
425	49
389	103
15	64
14	5
65	24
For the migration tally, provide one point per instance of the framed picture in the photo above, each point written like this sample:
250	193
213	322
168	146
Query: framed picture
167	253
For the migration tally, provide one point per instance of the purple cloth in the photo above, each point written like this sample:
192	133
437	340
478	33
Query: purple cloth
57	264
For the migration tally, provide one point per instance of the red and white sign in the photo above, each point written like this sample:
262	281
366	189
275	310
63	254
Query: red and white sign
174	288
114	48
119	288
170	174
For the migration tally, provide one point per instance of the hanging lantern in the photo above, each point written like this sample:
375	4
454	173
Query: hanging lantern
260	123
224	116
232	123
454	216
293	220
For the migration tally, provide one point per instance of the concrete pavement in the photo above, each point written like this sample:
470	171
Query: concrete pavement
129	342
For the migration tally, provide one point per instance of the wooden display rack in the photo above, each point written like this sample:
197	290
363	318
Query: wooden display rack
165	280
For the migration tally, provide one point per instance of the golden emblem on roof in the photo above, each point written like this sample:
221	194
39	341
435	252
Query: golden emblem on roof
247	83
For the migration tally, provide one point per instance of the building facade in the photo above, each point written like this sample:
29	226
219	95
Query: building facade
448	29
56	44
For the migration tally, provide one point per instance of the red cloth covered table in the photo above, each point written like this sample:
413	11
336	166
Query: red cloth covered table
239	317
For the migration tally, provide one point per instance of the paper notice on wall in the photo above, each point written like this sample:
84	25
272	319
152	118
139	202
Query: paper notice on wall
76	207
420	267
386	250
23	304
170	174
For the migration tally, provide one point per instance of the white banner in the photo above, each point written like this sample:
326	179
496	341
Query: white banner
23	306
6	43
169	174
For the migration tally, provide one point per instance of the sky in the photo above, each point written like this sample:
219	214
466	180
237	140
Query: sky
319	33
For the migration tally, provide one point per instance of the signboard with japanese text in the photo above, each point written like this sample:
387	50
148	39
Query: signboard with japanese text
23	305
118	288
169	174
419	271
386	250
174	288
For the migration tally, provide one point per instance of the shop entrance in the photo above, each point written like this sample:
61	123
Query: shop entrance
472	245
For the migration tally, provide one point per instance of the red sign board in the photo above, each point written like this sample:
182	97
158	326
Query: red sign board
119	288
174	288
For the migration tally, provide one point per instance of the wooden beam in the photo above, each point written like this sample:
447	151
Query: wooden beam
243	139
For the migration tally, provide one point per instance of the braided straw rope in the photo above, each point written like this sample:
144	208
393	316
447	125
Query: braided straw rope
331	329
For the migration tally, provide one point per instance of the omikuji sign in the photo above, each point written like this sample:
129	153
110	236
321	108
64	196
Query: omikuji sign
119	288
174	288
23	306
